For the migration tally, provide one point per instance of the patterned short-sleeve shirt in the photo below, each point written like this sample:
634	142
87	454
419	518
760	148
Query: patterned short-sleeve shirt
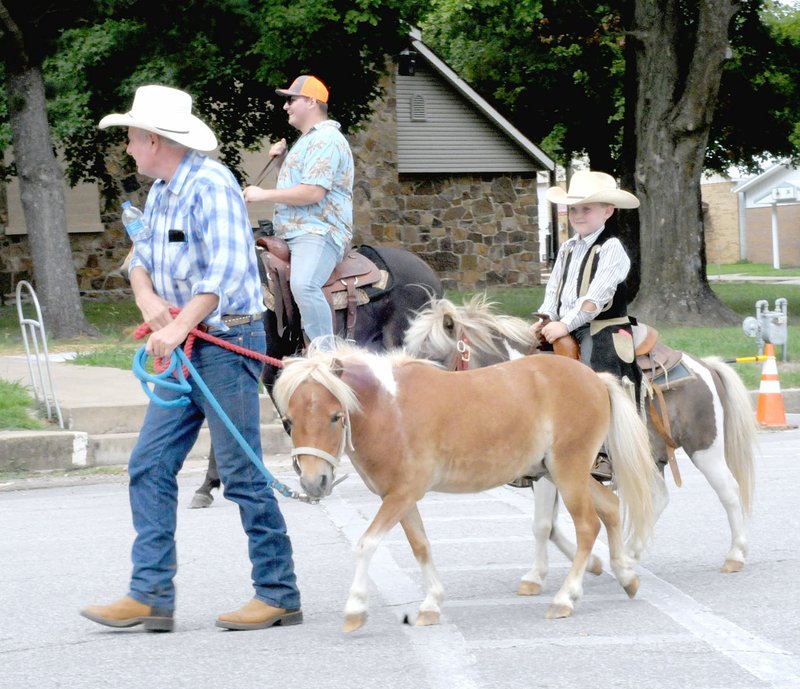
320	157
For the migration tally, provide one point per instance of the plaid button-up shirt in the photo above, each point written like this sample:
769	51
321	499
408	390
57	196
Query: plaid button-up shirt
199	240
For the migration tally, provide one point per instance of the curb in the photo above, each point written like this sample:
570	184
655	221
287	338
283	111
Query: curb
22	451
43	450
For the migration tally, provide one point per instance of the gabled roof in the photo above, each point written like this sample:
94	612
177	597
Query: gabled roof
471	95
773	171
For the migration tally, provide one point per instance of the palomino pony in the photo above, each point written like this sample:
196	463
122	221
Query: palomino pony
394	416
379	324
709	412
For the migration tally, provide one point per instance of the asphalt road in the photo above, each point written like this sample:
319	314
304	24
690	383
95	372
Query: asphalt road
66	545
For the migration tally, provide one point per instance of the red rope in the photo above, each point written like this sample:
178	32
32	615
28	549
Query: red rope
161	365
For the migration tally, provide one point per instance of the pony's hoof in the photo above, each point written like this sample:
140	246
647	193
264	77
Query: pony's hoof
426	618
201	500
354	621
595	566
632	587
529	588
731	566
557	612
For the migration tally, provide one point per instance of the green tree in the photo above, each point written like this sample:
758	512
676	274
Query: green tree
230	54
27	32
231	62
635	87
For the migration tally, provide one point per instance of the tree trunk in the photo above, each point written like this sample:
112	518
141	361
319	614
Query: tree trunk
678	76
41	183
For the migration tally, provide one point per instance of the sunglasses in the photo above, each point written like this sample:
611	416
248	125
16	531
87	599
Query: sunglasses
292	99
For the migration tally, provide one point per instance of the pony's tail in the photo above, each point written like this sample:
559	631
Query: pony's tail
741	430
635	472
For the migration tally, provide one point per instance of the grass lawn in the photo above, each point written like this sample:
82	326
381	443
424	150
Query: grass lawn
753	269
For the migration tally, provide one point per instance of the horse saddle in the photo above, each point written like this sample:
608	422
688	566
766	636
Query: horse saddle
343	289
660	364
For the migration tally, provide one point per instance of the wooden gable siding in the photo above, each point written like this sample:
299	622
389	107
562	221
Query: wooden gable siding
453	137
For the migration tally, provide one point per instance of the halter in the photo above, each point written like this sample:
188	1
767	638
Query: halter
346	441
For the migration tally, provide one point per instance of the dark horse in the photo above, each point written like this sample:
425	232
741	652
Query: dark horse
379	325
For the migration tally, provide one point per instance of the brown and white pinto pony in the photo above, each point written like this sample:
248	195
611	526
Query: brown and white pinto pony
410	427
710	415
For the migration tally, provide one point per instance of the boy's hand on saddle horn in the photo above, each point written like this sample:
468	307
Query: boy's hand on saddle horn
554	330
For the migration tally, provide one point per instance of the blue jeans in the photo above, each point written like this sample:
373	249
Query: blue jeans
166	437
314	257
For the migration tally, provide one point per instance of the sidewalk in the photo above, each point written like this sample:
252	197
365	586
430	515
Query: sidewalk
742	277
102	410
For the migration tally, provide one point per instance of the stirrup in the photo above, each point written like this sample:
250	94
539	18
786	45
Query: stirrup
521	482
601	471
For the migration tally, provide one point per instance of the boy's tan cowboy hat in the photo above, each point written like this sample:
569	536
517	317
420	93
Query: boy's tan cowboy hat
168	112
587	186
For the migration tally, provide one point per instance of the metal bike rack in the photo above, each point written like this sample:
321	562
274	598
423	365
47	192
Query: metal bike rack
33	333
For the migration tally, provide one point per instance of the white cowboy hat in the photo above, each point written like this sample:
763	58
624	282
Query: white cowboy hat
168	112
592	187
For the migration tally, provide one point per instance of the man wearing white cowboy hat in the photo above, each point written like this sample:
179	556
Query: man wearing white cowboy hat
586	295
197	255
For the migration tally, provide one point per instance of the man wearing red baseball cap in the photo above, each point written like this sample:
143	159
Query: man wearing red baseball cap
313	201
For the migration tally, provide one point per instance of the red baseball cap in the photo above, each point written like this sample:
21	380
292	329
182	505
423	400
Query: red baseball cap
308	86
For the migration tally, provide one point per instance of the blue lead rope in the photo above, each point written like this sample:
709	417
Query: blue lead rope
167	380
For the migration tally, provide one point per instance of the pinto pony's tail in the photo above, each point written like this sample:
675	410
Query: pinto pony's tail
741	430
635	473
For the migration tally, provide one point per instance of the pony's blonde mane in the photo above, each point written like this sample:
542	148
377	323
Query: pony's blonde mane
324	368
476	318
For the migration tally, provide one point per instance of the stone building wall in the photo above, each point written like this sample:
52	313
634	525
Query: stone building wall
474	230
95	255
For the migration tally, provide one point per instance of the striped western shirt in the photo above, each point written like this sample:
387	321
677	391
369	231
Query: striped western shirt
612	268
200	240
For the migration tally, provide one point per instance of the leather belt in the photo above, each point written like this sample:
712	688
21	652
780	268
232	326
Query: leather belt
231	319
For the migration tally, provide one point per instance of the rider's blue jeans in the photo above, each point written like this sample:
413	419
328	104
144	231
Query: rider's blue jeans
314	257
166	437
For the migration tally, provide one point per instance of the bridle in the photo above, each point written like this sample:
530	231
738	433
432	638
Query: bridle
335	461
463	352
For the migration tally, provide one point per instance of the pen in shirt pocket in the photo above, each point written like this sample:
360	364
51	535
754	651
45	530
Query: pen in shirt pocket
176	236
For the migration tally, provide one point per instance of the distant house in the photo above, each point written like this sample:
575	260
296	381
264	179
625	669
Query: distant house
769	216
438	171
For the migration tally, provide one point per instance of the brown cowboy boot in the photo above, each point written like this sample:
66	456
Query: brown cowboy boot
128	612
258	615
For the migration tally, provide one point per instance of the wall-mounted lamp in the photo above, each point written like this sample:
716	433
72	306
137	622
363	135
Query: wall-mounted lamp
407	63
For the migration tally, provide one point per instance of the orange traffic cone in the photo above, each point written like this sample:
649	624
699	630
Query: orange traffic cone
770	412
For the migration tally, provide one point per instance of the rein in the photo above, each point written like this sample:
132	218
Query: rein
158	363
181	385
463	352
173	377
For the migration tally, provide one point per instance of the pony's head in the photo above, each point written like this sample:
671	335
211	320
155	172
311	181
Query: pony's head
315	406
473	333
